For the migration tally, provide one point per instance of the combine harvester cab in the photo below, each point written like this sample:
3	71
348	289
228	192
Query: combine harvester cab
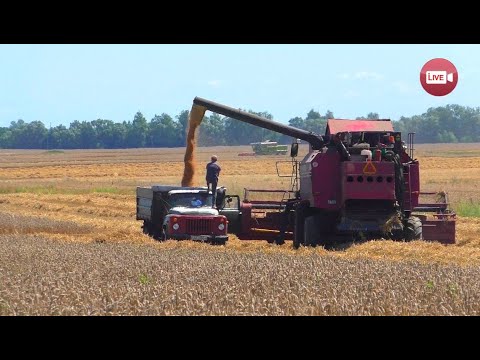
377	190
181	213
359	181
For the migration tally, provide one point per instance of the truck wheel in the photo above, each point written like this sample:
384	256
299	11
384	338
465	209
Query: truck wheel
413	229
396	234
163	236
219	242
319	230
301	212
309	232
146	228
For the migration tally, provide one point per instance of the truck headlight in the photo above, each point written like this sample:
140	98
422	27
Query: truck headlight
221	227
175	226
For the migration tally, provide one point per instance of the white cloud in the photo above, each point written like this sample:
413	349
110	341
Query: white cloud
402	87
359	75
8	112
214	83
351	94
368	75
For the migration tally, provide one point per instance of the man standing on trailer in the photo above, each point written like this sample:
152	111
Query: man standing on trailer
213	171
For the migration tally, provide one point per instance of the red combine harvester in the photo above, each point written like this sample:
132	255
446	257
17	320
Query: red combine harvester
358	181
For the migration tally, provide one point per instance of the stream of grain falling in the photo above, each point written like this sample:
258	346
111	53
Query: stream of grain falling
194	120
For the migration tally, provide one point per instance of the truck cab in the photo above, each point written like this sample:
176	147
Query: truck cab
182	213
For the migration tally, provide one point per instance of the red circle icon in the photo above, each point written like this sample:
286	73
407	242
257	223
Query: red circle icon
439	77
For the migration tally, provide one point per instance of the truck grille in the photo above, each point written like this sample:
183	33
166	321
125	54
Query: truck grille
199	226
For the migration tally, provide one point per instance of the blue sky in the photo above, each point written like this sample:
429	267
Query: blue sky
61	83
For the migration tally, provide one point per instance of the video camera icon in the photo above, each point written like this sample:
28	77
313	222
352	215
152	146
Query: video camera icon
438	77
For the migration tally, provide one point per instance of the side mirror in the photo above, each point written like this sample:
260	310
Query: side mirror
294	149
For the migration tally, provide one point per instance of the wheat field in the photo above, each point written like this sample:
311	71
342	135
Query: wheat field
64	214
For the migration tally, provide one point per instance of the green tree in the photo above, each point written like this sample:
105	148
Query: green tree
5	138
297	122
312	115
212	131
182	119
137	131
83	134
315	123
120	135
239	133
35	135
450	123
61	138
104	130
17	129
28	135
163	132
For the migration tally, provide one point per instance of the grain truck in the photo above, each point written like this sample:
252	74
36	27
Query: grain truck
182	213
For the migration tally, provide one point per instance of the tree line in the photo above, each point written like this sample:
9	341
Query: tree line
451	123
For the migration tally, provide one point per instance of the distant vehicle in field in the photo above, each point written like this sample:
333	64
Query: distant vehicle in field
269	148
181	213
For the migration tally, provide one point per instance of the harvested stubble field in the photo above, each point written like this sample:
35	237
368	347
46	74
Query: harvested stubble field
70	244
